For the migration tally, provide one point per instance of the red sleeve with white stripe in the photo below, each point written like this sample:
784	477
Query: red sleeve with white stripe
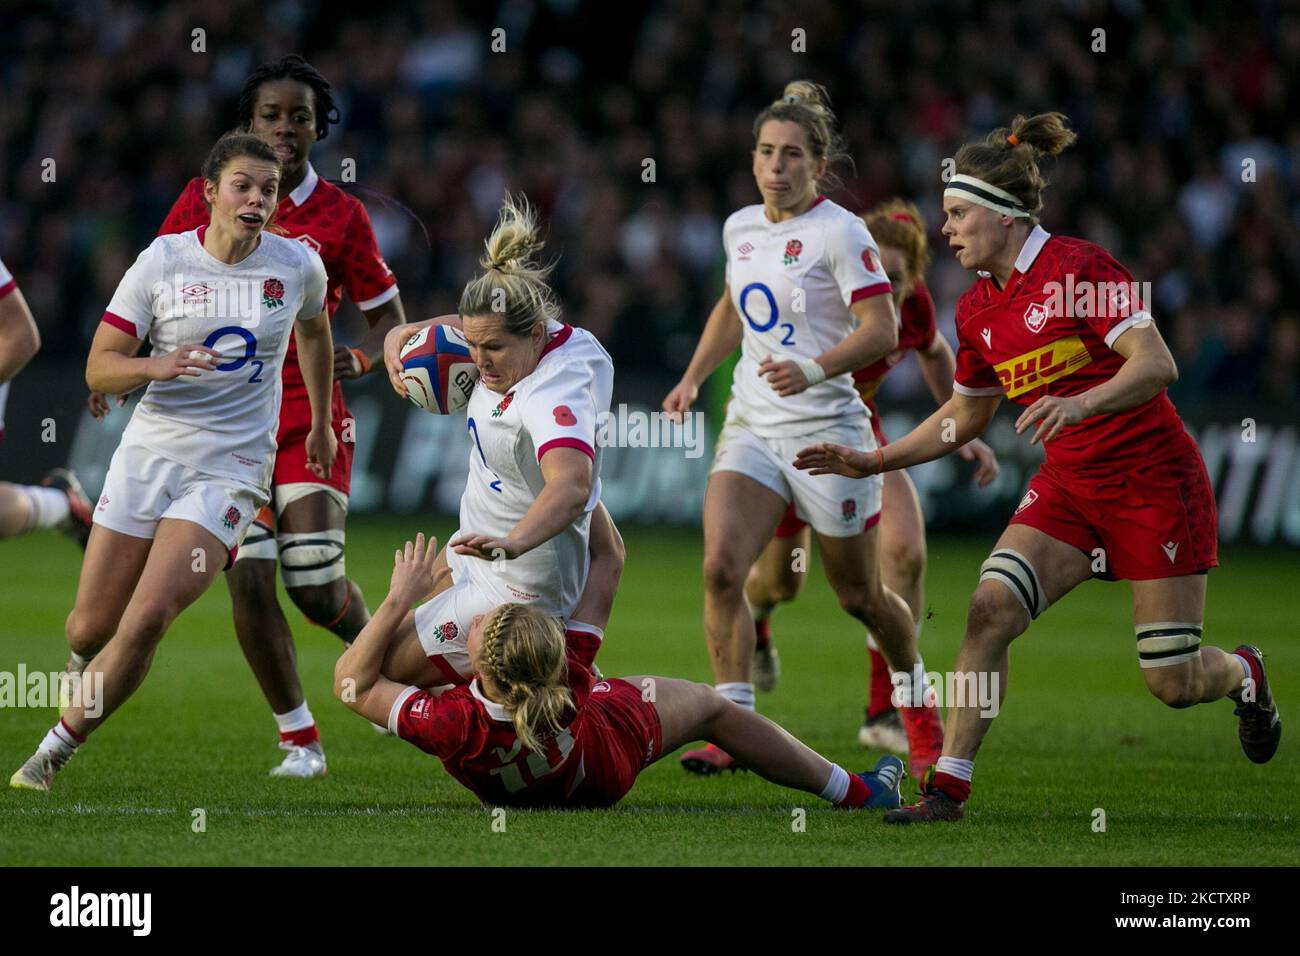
560	410
437	725
854	259
973	375
1118	308
131	310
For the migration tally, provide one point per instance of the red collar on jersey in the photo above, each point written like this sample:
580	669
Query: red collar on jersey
559	339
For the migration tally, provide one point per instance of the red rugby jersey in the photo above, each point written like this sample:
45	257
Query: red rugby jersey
916	330
334	224
475	738
1050	332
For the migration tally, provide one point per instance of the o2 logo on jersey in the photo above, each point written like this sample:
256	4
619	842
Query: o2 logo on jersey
773	313
250	349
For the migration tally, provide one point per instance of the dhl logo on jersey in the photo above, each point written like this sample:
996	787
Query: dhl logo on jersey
1042	366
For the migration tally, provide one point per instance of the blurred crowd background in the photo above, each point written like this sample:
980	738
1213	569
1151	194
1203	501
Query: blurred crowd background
439	124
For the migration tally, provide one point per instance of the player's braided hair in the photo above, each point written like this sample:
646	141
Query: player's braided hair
513	285
291	67
522	653
898	223
809	105
1008	157
232	144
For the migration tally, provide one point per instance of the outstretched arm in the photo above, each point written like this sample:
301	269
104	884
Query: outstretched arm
938	368
357	680
957	421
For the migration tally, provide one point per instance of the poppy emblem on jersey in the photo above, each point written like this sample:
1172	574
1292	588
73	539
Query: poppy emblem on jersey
744	249
848	509
272	293
503	405
792	250
231	517
870	261
445	632
1036	317
1030	497
563	416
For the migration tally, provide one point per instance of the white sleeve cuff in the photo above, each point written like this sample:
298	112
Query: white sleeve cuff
396	710
976	392
377	301
1137	318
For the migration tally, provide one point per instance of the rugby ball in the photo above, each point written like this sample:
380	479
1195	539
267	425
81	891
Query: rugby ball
437	371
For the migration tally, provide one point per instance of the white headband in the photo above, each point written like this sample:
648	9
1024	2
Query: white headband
986	194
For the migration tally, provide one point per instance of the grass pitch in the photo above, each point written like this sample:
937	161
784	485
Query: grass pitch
1078	733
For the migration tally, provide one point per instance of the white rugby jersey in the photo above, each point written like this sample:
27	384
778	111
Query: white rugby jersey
558	405
7	286
792	283
223	421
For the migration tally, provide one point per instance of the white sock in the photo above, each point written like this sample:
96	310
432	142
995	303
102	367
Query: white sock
299	718
1245	668
953	767
81	662
738	692
837	787
59	742
49	506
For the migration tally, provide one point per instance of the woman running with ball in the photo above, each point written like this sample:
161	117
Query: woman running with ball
808	303
1123	493
534	463
195	462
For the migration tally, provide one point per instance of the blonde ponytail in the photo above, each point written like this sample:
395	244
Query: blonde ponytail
513	284
523	654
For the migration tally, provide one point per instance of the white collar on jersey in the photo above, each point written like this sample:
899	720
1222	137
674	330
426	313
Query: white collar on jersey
306	187
495	711
1028	252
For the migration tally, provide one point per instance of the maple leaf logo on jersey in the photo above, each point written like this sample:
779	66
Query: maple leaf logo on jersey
1036	317
445	632
272	293
848	510
310	243
231	517
503	405
792	250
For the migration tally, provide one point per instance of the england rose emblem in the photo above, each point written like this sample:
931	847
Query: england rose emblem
272	293
792	250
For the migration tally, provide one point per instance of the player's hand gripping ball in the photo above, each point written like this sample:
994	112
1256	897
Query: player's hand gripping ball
437	371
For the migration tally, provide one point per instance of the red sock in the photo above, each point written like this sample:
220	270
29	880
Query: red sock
301	738
1256	674
954	787
882	688
762	633
858	795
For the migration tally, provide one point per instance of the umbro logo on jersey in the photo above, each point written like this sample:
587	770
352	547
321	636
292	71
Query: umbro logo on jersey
1170	549
1036	317
987	336
743	251
197	292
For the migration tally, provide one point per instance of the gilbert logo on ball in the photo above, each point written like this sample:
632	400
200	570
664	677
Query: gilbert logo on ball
437	371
